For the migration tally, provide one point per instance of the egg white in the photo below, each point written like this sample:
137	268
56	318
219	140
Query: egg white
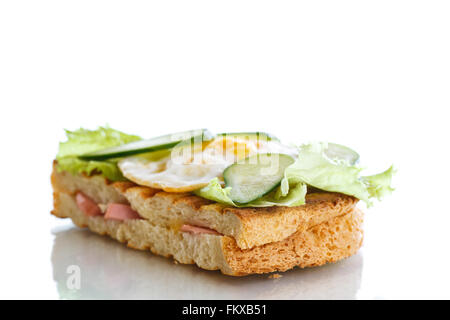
187	169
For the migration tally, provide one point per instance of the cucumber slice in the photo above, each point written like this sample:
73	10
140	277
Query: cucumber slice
251	135
143	146
255	176
337	151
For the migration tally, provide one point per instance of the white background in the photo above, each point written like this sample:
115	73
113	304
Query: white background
374	75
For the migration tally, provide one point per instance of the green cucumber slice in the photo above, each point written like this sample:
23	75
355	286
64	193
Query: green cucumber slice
337	151
251	135
255	176
143	146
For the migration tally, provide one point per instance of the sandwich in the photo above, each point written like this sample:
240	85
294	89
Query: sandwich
242	203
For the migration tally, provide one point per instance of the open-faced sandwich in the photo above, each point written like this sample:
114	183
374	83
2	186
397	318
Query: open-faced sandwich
242	203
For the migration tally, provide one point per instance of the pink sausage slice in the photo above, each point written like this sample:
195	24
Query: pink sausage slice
197	230
88	206
120	212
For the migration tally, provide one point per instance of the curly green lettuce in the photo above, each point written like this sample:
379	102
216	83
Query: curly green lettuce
215	192
379	185
82	141
315	168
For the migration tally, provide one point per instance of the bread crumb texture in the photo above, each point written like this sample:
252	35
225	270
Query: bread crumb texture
329	241
249	227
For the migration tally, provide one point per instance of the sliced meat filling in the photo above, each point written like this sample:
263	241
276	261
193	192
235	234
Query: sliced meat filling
88	206
111	211
120	212
197	230
123	212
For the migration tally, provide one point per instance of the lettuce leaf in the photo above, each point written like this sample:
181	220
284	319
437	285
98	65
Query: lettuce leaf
215	192
295	197
82	141
379	185
314	168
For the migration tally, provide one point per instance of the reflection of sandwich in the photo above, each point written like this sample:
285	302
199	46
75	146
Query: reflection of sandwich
105	274
242	203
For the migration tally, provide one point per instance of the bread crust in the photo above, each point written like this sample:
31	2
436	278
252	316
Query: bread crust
250	227
327	242
330	241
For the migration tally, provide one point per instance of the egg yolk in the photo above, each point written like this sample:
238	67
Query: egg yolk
232	146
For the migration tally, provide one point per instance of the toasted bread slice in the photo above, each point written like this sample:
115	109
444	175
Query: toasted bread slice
329	241
249	227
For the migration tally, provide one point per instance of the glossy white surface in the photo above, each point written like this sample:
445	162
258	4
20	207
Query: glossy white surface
112	271
370	75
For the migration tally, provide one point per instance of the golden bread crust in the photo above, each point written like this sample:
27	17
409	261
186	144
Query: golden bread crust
250	227
327	242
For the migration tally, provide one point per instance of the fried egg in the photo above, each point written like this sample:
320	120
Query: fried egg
190	167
